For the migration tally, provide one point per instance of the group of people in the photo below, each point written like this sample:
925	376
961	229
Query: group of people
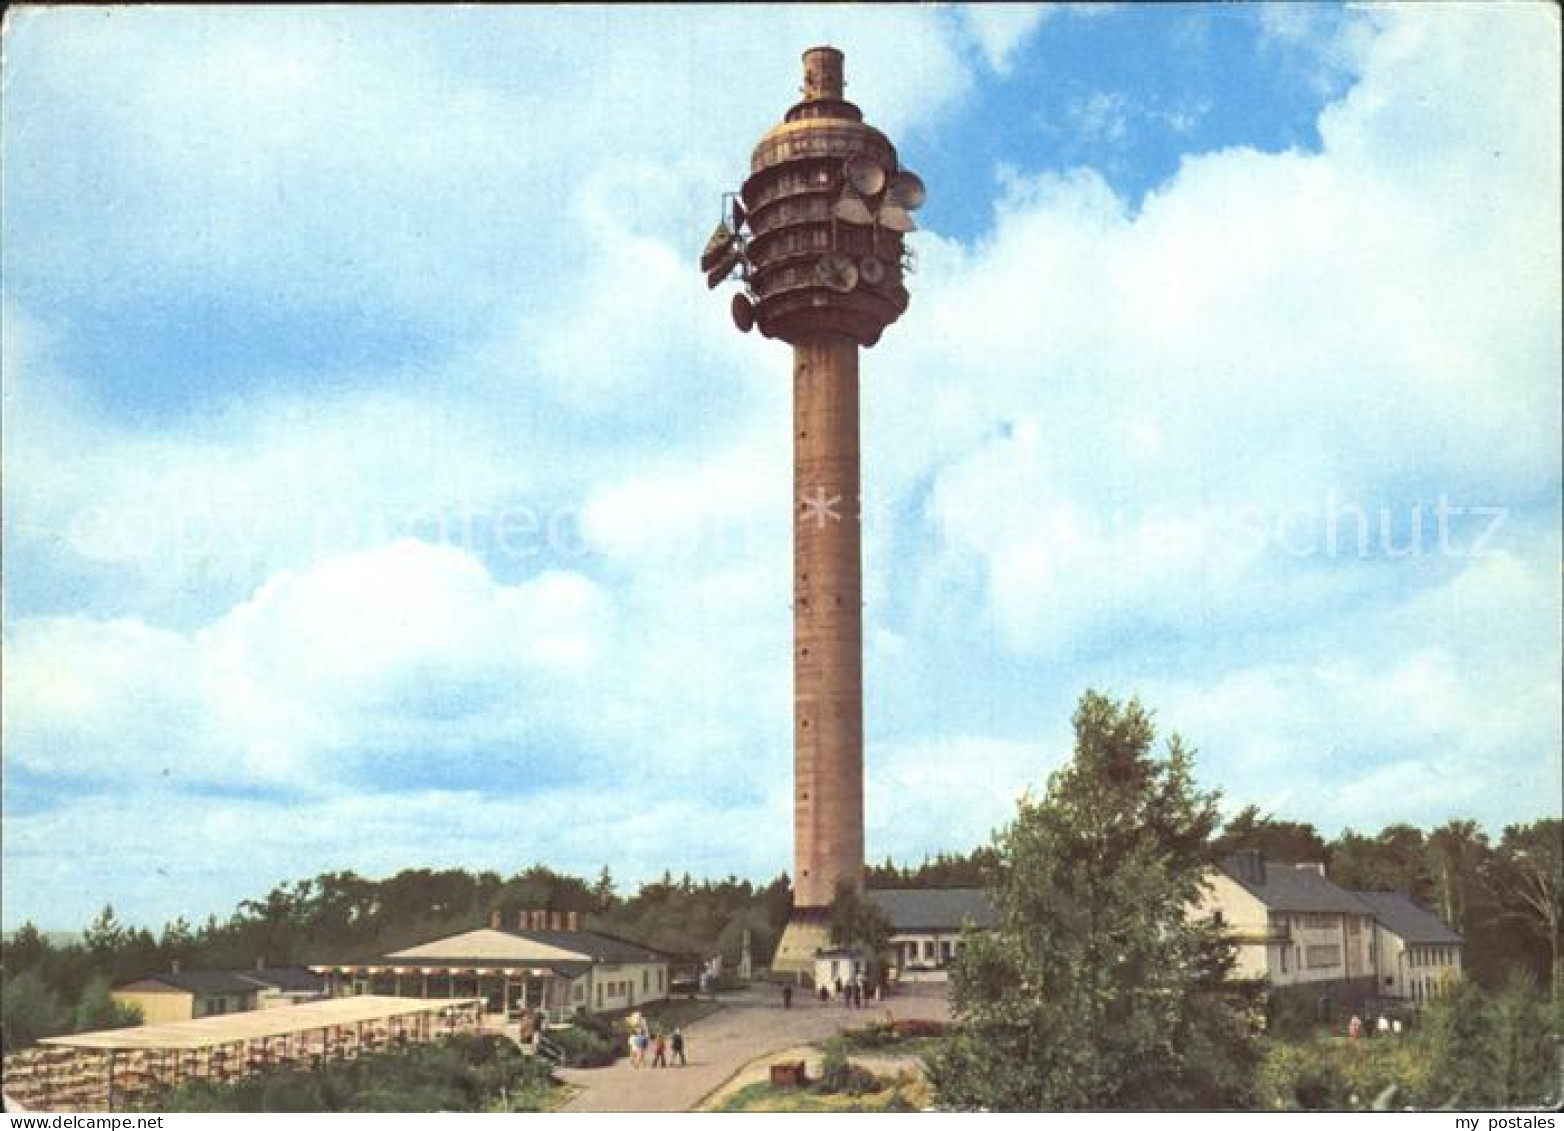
849	993
1383	1026
663	1047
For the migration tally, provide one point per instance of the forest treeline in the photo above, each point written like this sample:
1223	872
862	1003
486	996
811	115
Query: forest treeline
1503	896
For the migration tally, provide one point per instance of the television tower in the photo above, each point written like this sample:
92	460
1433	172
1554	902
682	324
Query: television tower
816	237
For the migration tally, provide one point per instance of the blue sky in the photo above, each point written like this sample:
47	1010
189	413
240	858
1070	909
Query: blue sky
384	488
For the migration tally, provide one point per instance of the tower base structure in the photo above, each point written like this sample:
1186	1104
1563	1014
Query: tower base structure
807	933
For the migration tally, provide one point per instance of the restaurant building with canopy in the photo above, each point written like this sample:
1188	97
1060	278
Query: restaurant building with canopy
545	962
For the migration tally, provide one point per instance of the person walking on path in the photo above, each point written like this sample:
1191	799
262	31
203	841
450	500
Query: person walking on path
678	1047
635	1050
1355	1027
660	1051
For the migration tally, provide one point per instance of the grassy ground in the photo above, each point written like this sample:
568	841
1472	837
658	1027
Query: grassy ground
761	1096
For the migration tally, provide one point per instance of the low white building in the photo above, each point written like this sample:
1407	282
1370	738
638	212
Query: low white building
1418	956
840	965
545	962
1294	927
927	924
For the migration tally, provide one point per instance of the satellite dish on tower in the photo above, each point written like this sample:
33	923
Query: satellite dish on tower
895	218
864	174
717	246
850	208
906	189
724	266
871	270
837	273
743	313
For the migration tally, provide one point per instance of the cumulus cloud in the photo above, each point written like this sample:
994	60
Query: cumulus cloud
409	651
1000	30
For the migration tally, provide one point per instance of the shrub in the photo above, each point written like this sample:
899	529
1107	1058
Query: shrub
838	1075
1300	1077
585	1048
464	1073
600	1026
872	1036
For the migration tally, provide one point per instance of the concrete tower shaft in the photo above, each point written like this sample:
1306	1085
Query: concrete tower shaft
827	622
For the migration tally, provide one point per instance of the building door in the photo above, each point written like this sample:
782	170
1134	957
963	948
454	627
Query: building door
1354	946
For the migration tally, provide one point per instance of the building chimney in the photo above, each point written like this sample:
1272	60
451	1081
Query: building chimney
496	917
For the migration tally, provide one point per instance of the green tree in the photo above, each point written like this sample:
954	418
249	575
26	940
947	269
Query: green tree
96	1009
104	935
29	1009
25	949
1461	1067
1098	990
1395	860
1457	854
1528	872
854	921
603	897
1523	1046
1291	841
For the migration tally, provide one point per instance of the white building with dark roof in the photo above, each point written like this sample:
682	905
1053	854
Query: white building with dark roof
927	924
546	961
1294	927
1418	955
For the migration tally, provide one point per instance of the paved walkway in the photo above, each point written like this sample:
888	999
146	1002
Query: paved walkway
750	1025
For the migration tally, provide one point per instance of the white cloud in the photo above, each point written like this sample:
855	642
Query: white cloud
1358	327
387	652
1459	680
1000	30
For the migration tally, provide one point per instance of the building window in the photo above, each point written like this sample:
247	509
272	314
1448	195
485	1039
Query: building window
578	992
1320	957
646	980
1283	951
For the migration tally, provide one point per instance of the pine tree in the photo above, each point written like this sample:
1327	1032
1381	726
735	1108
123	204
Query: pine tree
1097	991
